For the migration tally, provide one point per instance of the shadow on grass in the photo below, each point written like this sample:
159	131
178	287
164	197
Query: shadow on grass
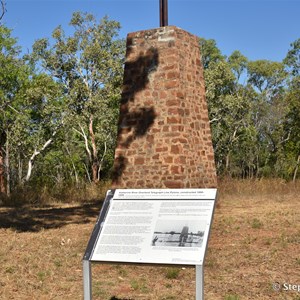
32	219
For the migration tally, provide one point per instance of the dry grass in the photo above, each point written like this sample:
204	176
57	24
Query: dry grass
255	241
41	196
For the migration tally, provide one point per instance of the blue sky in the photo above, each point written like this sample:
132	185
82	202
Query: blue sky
259	29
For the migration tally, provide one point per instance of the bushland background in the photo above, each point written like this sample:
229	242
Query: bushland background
60	103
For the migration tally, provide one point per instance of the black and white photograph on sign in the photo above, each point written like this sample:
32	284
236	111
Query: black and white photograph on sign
179	233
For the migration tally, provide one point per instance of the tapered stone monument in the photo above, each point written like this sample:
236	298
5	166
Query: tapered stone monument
164	137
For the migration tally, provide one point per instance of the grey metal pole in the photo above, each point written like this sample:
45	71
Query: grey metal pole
163	12
199	282
87	280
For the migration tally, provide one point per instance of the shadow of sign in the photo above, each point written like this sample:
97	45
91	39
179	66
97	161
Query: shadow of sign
134	122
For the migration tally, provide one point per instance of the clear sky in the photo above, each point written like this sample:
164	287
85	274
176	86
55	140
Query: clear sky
260	29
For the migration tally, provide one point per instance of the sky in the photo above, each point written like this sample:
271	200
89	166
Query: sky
261	29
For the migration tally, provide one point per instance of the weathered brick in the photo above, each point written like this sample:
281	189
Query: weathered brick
172	184
174	120
170	84
161	149
163	95
176	149
172	75
176	169
173	102
168	159
180	95
139	160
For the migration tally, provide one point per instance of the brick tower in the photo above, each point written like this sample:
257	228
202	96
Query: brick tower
164	137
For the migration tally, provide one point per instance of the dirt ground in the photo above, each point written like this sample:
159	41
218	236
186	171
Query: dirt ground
254	244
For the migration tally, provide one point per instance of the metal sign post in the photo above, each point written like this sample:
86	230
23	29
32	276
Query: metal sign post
87	280
199	282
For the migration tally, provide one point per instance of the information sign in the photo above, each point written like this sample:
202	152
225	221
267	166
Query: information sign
163	226
152	226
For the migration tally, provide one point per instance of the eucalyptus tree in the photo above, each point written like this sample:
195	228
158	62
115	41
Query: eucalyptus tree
268	78
89	65
228	103
13	78
292	59
292	122
44	103
25	117
210	53
248	111
238	64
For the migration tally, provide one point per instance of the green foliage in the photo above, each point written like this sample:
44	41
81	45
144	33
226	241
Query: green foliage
89	66
292	59
238	63
210	53
254	113
59	108
266	75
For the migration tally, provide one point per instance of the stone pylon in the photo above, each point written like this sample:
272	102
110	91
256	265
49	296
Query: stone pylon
164	137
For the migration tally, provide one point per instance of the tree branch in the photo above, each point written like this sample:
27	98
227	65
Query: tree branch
3	9
36	153
83	134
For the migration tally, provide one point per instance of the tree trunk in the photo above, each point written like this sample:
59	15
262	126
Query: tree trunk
2	172
20	170
95	161
296	169
73	165
101	162
30	165
34	155
2	163
87	173
227	163
7	168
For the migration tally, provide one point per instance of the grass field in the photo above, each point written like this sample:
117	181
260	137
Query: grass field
255	242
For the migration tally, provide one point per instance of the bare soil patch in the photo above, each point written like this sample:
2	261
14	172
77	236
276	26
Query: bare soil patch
255	242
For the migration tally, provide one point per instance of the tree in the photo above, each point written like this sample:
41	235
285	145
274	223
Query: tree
267	76
44	103
228	106
13	76
269	80
238	63
292	121
89	65
210	53
292	59
250	113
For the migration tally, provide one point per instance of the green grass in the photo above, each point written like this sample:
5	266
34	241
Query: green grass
139	285
256	224
172	273
232	297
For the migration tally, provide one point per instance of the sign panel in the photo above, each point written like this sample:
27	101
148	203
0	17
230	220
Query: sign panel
164	226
